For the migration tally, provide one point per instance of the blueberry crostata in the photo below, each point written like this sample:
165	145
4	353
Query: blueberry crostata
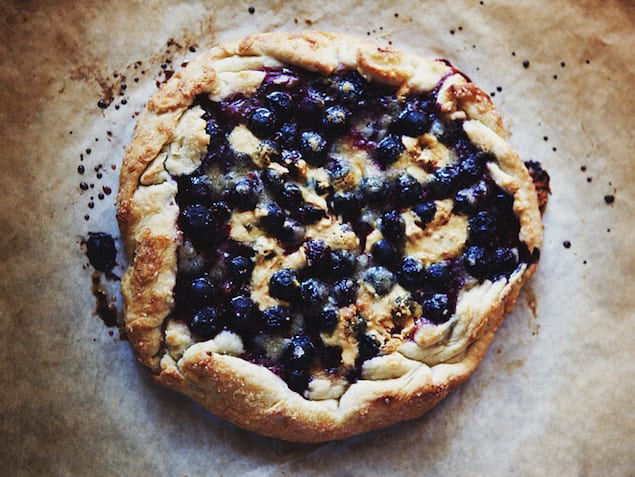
323	234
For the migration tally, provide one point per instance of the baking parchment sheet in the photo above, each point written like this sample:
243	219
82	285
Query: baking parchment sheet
555	394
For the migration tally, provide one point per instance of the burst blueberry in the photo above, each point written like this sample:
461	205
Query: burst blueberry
348	204
194	190
273	218
310	214
317	255
368	347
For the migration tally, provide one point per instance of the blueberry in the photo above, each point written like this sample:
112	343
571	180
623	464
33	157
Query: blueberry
277	319
272	179
425	212
313	292
504	260
269	151
281	103
244	194
392	226
373	188
348	204
467	201
482	228
220	212
385	253
436	308
410	274
206	323
313	147
326	320
437	275
345	291
262	122
411	122
317	255
338	171
444	180
477	261
214	132
297	379
336	118
351	87
240	268
341	263
408	190
311	106
243	314
381	279
368	347
298	353
310	214
284	285
290	159
197	222
292	233
290	196
388	150
273	220
194	190
201	291
288	135
471	168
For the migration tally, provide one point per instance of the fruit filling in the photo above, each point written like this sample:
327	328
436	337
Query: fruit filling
329	219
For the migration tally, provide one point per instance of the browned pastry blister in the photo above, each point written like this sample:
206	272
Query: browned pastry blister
324	234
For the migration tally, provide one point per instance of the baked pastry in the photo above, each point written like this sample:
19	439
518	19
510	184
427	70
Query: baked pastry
323	234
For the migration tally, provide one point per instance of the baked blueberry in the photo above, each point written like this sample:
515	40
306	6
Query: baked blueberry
336	118
313	147
381	279
436	308
291	233
385	253
240	268
214	132
425	212
284	285
244	194
482	228
277	319
392	226
297	379
347	204
220	212
243	314
326	320
272	179
477	261
269	150
351	87
201	291
388	150
288	135
342	263
469	200
194	190
410	274
197	222
344	291
273	219
411	122
206	322
368	347
313	292
298	353
290	196
444	180
281	103
338	171
311	106
504	260
317	255
471	168
437	275
262	122
373	189
101	251
407	190
310	214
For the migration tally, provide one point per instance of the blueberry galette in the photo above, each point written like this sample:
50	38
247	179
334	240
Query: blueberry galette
323	234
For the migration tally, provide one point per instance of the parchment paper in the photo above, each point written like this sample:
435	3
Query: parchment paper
554	396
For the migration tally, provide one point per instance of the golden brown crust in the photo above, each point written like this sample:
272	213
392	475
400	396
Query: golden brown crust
247	394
